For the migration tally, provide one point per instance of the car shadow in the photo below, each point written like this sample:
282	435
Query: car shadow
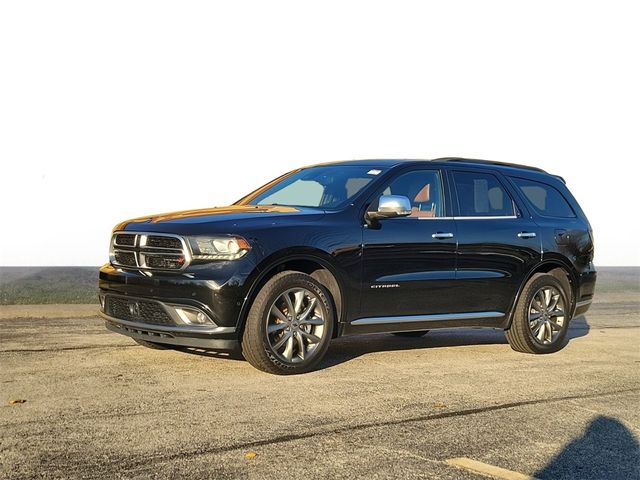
606	449
578	327
203	352
344	349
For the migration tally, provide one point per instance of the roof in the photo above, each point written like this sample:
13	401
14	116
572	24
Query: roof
382	162
474	161
387	163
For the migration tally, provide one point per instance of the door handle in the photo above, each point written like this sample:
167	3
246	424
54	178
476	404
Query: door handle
441	235
527	235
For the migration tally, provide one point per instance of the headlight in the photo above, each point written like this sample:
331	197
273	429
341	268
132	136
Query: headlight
219	248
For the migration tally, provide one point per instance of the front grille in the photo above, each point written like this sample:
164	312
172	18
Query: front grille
163	262
146	311
127	259
164	242
125	239
149	251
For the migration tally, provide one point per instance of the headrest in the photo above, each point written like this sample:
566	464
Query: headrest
423	195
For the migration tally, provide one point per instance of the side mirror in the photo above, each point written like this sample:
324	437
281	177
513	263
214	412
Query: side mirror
391	206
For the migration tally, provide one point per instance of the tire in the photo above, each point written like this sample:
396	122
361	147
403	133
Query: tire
537	326
151	345
417	334
273	340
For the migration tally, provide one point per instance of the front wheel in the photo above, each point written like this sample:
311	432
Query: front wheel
541	318
289	325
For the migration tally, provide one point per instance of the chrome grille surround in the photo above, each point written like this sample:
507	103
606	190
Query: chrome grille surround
143	250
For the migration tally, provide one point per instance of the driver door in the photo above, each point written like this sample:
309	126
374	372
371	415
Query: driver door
409	262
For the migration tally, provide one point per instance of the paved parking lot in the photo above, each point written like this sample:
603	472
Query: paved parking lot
97	405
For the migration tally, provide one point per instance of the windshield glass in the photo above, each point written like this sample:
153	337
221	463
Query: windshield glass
328	186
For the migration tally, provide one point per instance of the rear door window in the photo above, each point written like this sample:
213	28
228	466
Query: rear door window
545	199
482	195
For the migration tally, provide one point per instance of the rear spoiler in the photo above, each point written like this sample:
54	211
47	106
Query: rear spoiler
561	179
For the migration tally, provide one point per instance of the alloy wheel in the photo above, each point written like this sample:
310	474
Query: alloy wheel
546	315
295	325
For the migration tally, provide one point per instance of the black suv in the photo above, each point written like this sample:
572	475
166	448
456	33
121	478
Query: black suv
371	246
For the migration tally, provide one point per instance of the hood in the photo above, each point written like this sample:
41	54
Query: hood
189	221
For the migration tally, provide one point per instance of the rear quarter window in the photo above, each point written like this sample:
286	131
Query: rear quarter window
545	199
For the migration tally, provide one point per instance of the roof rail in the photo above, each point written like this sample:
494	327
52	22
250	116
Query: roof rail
488	162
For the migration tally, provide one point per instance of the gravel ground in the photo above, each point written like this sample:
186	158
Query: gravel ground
99	406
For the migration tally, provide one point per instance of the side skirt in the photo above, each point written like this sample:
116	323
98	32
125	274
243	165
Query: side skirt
410	323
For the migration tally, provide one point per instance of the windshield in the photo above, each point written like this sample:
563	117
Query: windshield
328	186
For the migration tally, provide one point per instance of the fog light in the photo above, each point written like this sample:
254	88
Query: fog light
191	316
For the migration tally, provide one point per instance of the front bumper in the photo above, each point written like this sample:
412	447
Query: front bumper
161	323
217	293
179	336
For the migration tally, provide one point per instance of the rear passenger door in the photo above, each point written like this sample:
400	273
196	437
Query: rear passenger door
498	241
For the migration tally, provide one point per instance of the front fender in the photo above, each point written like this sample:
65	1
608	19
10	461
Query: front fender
276	261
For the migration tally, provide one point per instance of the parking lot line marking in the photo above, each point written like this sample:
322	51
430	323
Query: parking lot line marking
486	469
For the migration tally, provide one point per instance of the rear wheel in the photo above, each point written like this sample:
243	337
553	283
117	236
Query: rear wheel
289	325
541	317
415	334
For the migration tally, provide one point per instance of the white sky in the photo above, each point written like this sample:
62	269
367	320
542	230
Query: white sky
110	110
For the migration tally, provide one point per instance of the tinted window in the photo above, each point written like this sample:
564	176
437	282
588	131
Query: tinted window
306	193
546	200
481	195
423	188
324	186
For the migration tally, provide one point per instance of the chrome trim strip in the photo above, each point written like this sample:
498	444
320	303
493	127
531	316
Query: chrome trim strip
149	253
440	236
168	329
501	217
584	303
442	317
488	217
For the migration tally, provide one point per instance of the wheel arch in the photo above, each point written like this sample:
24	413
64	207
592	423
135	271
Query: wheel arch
553	266
313	262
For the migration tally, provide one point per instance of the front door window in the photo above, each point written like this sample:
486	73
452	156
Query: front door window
423	188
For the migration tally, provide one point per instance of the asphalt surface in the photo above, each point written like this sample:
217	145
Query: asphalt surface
99	406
